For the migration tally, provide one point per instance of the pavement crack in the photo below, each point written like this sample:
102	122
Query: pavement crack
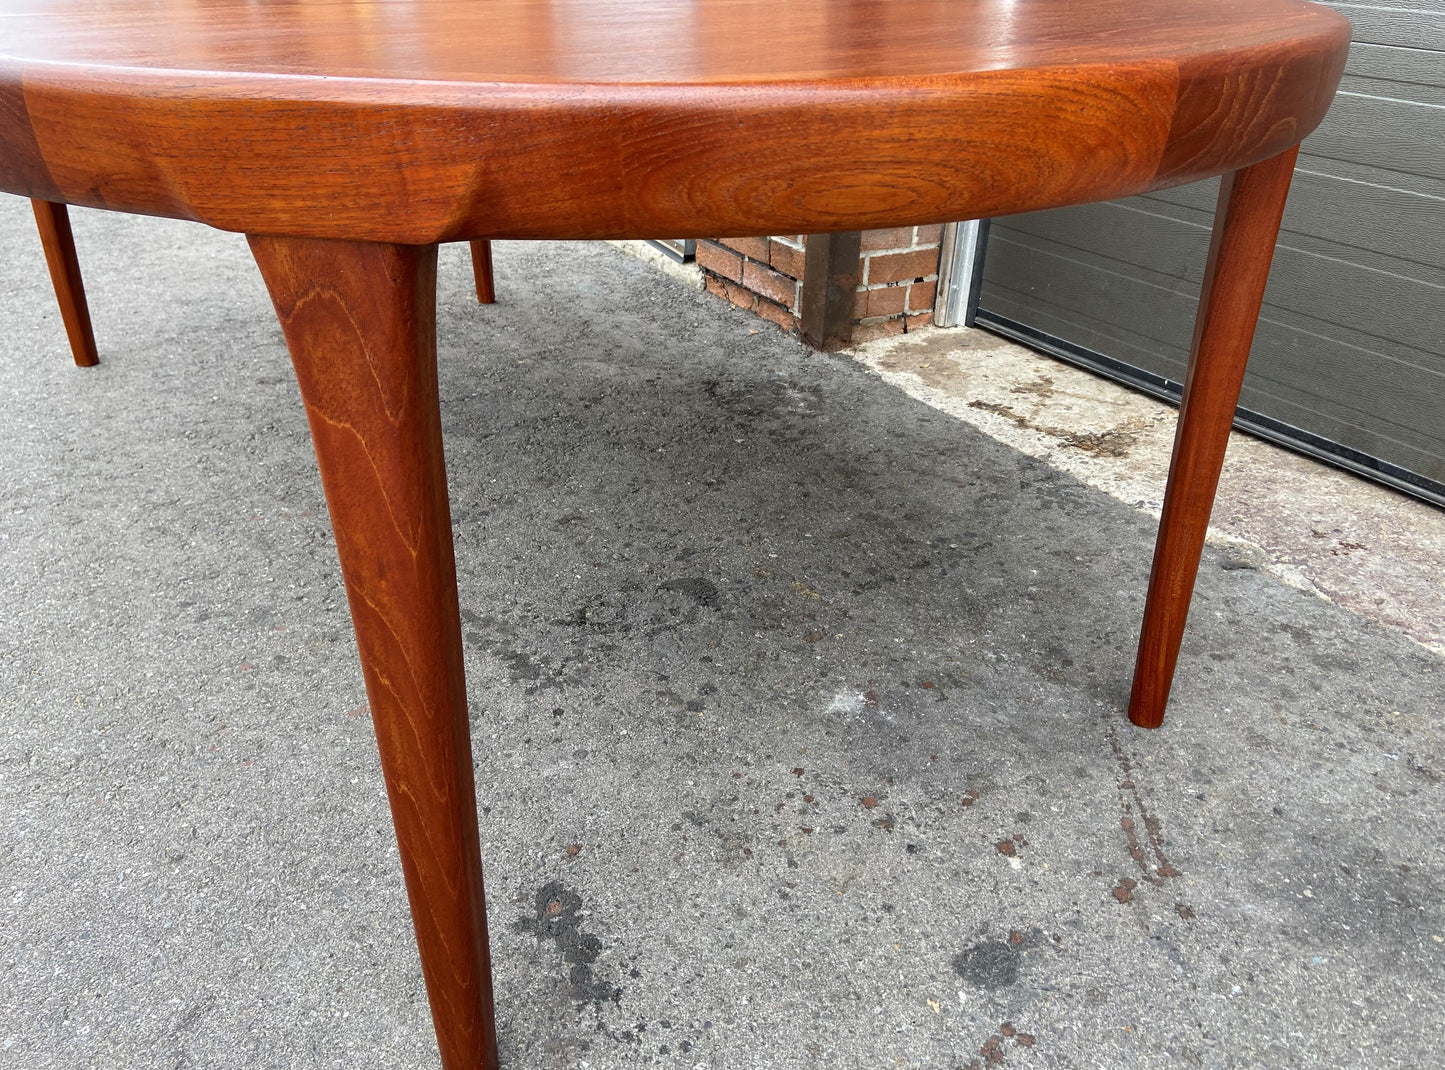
1131	802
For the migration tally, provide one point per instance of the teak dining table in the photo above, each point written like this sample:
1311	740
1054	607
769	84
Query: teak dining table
347	140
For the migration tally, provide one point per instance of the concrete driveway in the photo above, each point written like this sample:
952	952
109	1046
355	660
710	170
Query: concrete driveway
797	710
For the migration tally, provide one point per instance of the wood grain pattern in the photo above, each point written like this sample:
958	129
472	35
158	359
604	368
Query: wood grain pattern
59	243
21	161
436	121
360	322
1246	222
482	272
1221	118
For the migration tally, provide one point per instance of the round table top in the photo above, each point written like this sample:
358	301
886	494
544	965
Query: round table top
423	120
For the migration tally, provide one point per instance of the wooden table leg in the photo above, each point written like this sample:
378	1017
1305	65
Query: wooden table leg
1246	224
482	269
59	243
360	321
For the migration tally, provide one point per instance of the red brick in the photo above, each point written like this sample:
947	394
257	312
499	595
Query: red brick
777	314
786	259
888	301
741	297
893	238
929	235
901	267
720	261
714	285
756	248
769	283
923	319
921	295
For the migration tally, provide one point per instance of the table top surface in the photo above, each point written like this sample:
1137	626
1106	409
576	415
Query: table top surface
677	42
420	120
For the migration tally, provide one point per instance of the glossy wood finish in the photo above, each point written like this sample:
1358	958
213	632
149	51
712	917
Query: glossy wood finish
643	118
482	271
360	321
59	244
1246	223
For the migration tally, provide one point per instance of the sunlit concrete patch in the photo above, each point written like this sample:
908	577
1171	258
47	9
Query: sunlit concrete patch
690	274
1360	545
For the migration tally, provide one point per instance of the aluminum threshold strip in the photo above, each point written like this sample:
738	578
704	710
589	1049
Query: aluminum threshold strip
683	250
1254	423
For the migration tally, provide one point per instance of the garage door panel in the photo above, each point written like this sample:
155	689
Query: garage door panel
1399	135
1403	229
1414	26
1168	255
1407	67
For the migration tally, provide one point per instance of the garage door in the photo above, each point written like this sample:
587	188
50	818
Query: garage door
1349	358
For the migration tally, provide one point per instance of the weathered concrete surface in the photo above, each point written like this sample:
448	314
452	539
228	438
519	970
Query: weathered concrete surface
1378	552
823	686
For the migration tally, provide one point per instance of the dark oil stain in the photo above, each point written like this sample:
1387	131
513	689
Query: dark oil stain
994	964
524	668
602	618
521	666
701	591
991	964
557	919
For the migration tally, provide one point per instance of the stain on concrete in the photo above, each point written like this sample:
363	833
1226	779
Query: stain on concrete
701	591
1042	387
1117	441
1006	411
1112	442
1146	852
992	1051
558	919
991	964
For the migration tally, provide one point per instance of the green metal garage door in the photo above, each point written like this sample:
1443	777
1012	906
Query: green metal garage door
1349	359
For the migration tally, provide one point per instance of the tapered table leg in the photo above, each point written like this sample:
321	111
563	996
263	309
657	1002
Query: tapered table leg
59	243
1246	224
482	269
360	321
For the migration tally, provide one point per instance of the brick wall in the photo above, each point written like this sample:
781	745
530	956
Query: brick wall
897	281
897	277
762	275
